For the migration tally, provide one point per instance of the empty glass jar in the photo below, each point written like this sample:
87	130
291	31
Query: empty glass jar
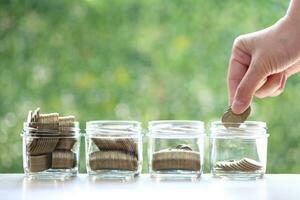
51	147
238	151
113	149
176	149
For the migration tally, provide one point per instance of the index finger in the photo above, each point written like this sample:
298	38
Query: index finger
238	66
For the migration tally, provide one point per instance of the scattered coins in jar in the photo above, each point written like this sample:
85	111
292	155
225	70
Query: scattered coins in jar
245	165
180	158
50	141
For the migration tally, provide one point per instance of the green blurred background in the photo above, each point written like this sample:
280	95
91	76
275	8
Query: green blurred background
135	59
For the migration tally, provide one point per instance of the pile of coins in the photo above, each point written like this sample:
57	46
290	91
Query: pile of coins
114	154
180	158
50	141
245	165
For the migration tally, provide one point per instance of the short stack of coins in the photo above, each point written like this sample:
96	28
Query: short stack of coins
50	141
244	165
180	158
114	154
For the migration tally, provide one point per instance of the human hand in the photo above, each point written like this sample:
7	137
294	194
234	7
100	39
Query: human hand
261	63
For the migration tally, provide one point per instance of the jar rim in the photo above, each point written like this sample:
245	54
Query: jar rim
113	122
246	130
246	123
176	128
35	132
191	122
116	128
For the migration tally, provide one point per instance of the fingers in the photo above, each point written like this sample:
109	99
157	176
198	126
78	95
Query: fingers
238	65
235	76
272	85
247	88
293	69
281	88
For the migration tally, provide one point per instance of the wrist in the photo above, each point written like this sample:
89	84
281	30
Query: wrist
293	14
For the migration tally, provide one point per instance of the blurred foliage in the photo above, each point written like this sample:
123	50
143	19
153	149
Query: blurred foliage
135	59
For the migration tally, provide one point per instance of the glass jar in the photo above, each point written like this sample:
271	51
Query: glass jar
176	149
51	147
238	151
113	149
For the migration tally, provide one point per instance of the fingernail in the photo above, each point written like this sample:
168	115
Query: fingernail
237	106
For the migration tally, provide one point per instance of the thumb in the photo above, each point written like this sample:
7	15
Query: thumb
246	89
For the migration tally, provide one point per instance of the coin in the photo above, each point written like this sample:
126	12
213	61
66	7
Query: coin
29	116
253	163
35	114
65	143
184	146
230	119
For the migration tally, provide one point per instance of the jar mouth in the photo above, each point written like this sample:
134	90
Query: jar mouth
247	129
49	130
176	128
116	128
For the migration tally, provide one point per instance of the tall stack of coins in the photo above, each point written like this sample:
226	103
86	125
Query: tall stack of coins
50	141
114	153
180	158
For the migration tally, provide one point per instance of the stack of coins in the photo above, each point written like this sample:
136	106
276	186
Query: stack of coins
50	141
245	165
114	153
63	160
180	158
39	163
127	145
101	160
66	129
42	126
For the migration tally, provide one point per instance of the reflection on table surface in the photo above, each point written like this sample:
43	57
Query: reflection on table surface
16	186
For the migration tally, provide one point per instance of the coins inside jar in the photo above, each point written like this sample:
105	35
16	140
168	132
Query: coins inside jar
244	164
180	158
114	153
117	160
50	140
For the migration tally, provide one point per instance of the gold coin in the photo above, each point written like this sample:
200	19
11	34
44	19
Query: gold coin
29	116
230	119
184	146
253	163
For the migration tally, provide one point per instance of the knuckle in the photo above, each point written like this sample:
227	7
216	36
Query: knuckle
237	42
260	95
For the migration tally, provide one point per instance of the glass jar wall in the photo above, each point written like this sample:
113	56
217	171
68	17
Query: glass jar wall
238	151
176	149
113	149
51	147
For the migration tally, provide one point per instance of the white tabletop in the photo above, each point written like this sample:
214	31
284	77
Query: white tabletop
280	186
